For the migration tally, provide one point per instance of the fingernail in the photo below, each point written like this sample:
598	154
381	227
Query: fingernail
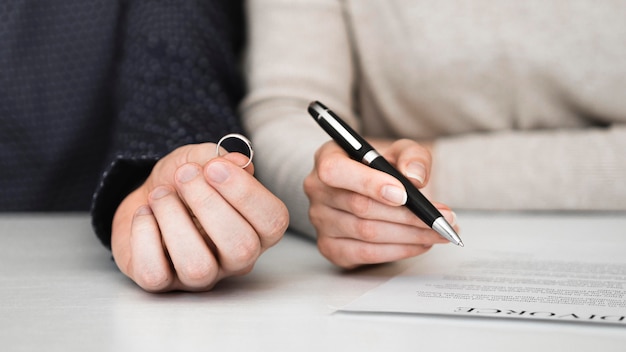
187	173
394	194
160	192
416	171
217	172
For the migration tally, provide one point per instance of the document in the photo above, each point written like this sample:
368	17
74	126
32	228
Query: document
571	282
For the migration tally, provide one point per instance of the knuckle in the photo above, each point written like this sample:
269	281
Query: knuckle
416	149
326	169
282	220
197	273
310	185
159	165
273	230
315	216
201	200
367	254
329	248
326	248
184	153
176	158
280	224
153	280
244	254
244	271
366	231
360	205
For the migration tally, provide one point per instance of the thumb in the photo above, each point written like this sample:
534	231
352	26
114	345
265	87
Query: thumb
412	160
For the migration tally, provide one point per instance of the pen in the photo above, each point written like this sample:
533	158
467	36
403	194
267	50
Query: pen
359	150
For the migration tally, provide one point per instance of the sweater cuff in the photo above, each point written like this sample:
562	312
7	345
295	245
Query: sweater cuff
123	175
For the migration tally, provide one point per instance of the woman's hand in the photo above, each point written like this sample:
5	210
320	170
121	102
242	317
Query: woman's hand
357	211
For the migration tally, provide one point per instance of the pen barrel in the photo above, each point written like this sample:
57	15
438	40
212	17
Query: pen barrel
339	131
416	201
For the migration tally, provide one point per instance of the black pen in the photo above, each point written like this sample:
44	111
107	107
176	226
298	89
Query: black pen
359	150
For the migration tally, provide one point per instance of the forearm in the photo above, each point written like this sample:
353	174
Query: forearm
282	81
560	170
284	149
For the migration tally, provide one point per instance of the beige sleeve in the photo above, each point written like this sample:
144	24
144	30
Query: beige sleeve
533	170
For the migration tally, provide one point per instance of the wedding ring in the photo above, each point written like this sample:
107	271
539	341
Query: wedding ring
243	139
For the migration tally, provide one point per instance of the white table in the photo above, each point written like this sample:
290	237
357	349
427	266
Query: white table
60	291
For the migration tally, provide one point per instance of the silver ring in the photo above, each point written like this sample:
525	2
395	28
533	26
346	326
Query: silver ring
241	138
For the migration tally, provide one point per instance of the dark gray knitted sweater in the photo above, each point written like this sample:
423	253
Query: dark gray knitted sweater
93	92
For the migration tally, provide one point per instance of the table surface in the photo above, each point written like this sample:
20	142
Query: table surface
62	292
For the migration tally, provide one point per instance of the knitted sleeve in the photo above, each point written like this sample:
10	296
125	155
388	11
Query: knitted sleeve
177	83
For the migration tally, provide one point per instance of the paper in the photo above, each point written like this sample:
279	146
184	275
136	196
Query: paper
525	285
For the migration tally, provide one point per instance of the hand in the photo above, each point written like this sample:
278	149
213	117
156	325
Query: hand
196	220
357	210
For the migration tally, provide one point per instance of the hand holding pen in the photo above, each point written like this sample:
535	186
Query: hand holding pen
357	210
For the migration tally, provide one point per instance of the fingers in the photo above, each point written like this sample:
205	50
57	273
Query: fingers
349	241
335	169
216	222
348	185
346	225
362	207
262	210
149	267
165	169
193	262
350	254
192	224
236	242
356	209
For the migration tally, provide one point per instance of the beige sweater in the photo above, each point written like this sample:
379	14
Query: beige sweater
525	100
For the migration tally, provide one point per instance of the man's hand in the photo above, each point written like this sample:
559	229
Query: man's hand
197	219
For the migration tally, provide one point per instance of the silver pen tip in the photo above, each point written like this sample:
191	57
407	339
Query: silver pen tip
446	231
